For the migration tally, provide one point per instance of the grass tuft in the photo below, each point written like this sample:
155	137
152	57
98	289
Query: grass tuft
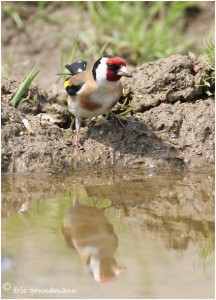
139	31
68	59
14	15
25	85
208	59
136	30
206	246
209	54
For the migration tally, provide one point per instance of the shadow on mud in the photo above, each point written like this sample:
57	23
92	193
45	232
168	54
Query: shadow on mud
135	139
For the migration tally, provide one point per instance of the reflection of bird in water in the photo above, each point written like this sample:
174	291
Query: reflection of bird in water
89	233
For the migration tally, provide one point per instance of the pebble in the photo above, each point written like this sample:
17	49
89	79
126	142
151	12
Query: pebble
68	142
198	152
174	141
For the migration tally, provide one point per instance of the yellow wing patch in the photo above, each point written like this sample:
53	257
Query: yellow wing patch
66	83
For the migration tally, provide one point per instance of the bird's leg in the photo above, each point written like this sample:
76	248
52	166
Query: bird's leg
118	119
75	202
77	138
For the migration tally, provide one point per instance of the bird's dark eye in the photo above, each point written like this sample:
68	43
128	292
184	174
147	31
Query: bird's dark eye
112	67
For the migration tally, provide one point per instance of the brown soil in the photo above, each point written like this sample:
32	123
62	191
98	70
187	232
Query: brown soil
172	125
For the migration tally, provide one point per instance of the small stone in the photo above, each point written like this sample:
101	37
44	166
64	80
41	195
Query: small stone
198	152
196	68
21	132
68	142
191	55
174	141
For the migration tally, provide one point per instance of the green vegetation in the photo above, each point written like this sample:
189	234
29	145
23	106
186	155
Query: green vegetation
70	57
206	246
122	108
208	59
25	85
140	31
14	14
137	30
209	54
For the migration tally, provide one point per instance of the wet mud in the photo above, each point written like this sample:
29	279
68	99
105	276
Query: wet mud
172	124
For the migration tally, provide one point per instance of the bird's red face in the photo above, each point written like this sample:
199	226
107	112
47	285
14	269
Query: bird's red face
116	68
109	68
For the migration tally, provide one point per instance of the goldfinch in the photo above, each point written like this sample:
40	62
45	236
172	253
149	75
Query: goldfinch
94	92
87	230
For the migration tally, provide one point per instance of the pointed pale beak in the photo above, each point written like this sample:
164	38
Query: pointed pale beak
123	71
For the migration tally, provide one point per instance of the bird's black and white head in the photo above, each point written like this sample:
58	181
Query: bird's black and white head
109	69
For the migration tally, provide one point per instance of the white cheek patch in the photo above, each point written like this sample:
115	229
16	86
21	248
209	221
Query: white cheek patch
103	60
101	71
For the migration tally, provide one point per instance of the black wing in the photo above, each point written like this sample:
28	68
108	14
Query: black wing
73	89
76	67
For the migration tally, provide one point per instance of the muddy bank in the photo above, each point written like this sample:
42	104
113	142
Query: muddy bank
172	124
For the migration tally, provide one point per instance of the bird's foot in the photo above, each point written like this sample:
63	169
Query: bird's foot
117	119
77	144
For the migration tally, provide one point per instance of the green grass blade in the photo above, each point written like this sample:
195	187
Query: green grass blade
25	85
14	15
69	58
71	53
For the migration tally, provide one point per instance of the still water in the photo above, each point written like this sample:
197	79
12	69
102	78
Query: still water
108	235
